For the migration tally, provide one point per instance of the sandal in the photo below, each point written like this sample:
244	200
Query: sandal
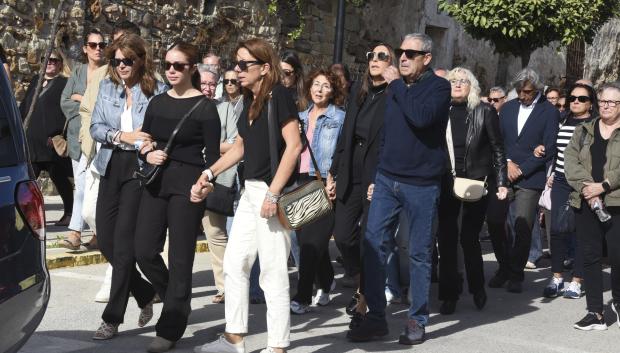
218	298
67	244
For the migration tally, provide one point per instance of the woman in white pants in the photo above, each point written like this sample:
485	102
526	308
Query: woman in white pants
256	230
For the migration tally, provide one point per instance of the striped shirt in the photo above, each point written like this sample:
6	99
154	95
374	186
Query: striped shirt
564	135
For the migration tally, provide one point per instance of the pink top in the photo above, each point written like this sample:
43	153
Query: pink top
304	165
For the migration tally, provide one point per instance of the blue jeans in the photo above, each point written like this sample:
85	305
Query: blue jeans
420	205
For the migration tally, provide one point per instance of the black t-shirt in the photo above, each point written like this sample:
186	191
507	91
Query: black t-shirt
458	126
256	136
598	151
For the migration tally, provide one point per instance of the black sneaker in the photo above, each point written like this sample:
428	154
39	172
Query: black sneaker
368	330
356	320
497	281
591	322
514	286
447	307
480	299
615	307
412	334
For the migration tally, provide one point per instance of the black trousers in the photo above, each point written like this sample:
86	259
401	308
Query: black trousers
117	207
512	255
174	284
347	228
314	263
60	171
591	235
471	216
560	193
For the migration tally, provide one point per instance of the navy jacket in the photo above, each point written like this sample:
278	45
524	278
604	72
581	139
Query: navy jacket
413	149
541	128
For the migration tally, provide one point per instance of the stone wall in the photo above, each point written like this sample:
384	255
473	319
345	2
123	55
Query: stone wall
602	61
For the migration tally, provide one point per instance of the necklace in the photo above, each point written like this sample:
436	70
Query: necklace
376	94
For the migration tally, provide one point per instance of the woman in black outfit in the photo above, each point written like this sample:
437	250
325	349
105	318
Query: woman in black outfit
165	202
476	152
48	121
293	78
355	162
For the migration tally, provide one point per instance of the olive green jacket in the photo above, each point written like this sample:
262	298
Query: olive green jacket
578	163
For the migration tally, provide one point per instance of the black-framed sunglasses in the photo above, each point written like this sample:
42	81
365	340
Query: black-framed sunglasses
582	99
559	106
117	62
245	64
176	65
495	100
51	60
231	81
381	56
409	53
94	45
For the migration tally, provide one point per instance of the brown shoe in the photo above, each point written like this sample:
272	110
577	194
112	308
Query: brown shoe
73	241
92	244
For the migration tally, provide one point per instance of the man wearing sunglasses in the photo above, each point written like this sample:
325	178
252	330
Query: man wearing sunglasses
497	97
412	160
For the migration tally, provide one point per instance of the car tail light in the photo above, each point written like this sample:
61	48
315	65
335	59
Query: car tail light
30	204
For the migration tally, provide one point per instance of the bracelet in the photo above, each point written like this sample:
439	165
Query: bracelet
209	174
271	197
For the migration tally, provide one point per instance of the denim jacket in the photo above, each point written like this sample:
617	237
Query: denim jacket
106	118
325	136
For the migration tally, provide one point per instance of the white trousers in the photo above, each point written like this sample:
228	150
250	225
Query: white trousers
91	192
251	235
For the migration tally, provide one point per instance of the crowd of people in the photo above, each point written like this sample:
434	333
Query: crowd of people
415	161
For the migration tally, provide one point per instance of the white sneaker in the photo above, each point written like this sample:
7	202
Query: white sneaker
321	298
573	291
268	350
299	309
530	265
221	345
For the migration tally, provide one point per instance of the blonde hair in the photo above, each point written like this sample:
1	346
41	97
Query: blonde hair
473	98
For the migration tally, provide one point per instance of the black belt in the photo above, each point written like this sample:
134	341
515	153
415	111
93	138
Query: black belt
360	141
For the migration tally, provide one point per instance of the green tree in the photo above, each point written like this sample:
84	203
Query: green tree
519	27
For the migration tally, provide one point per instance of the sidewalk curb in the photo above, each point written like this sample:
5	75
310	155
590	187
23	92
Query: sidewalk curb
68	259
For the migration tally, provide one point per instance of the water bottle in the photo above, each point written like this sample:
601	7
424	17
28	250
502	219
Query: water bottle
601	212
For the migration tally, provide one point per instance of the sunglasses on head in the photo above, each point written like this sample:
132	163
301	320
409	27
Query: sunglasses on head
94	45
176	65
231	81
52	60
245	64
381	56
117	62
582	99
495	100
409	53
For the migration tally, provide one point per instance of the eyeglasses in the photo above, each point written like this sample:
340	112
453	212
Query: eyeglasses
286	72
244	64
381	56
52	61
611	104
461	82
117	62
208	84
231	81
94	45
176	65
319	86
495	100
581	99
409	53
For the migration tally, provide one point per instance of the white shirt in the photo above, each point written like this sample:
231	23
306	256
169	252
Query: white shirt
126	120
219	89
524	113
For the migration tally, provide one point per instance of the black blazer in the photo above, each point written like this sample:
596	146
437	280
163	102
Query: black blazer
341	167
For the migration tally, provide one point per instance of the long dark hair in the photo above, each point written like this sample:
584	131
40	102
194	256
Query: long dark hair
87	35
264	52
366	79
134	47
291	58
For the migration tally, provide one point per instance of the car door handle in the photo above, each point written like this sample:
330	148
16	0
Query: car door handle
5	179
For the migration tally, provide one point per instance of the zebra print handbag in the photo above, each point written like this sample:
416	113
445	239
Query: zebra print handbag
306	203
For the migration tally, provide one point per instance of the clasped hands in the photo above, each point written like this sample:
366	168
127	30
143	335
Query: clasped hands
201	189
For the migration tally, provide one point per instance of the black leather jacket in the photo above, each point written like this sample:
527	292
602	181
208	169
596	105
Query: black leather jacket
484	151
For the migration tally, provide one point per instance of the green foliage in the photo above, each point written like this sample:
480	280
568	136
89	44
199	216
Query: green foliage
519	27
272	7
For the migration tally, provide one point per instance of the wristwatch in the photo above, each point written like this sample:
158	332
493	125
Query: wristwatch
209	174
606	186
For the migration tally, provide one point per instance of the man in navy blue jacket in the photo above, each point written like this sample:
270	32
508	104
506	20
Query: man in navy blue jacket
525	122
412	160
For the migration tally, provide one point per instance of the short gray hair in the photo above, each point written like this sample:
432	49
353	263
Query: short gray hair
216	76
527	75
608	85
427	42
498	89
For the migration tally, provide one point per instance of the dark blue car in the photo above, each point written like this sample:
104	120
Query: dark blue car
24	279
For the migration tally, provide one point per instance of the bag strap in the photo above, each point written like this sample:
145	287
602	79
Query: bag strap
306	143
180	124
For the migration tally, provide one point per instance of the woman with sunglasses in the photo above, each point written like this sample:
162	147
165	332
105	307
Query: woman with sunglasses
476	151
592	162
582	100
353	166
256	229
116	124
293	78
321	123
70	103
46	122
165	206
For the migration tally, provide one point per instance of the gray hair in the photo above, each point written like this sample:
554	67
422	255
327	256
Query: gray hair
216	76
608	85
497	89
473	98
427	42
527	75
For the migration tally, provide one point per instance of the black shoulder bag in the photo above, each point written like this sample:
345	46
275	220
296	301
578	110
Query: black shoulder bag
147	177
306	203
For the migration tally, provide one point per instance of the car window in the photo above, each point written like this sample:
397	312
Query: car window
8	154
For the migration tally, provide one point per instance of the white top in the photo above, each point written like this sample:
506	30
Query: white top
524	113
126	120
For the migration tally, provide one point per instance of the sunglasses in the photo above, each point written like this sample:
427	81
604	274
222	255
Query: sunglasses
245	64
117	62
231	81
495	100
409	53
54	61
558	105
581	99
286	72
94	45
176	65
381	56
